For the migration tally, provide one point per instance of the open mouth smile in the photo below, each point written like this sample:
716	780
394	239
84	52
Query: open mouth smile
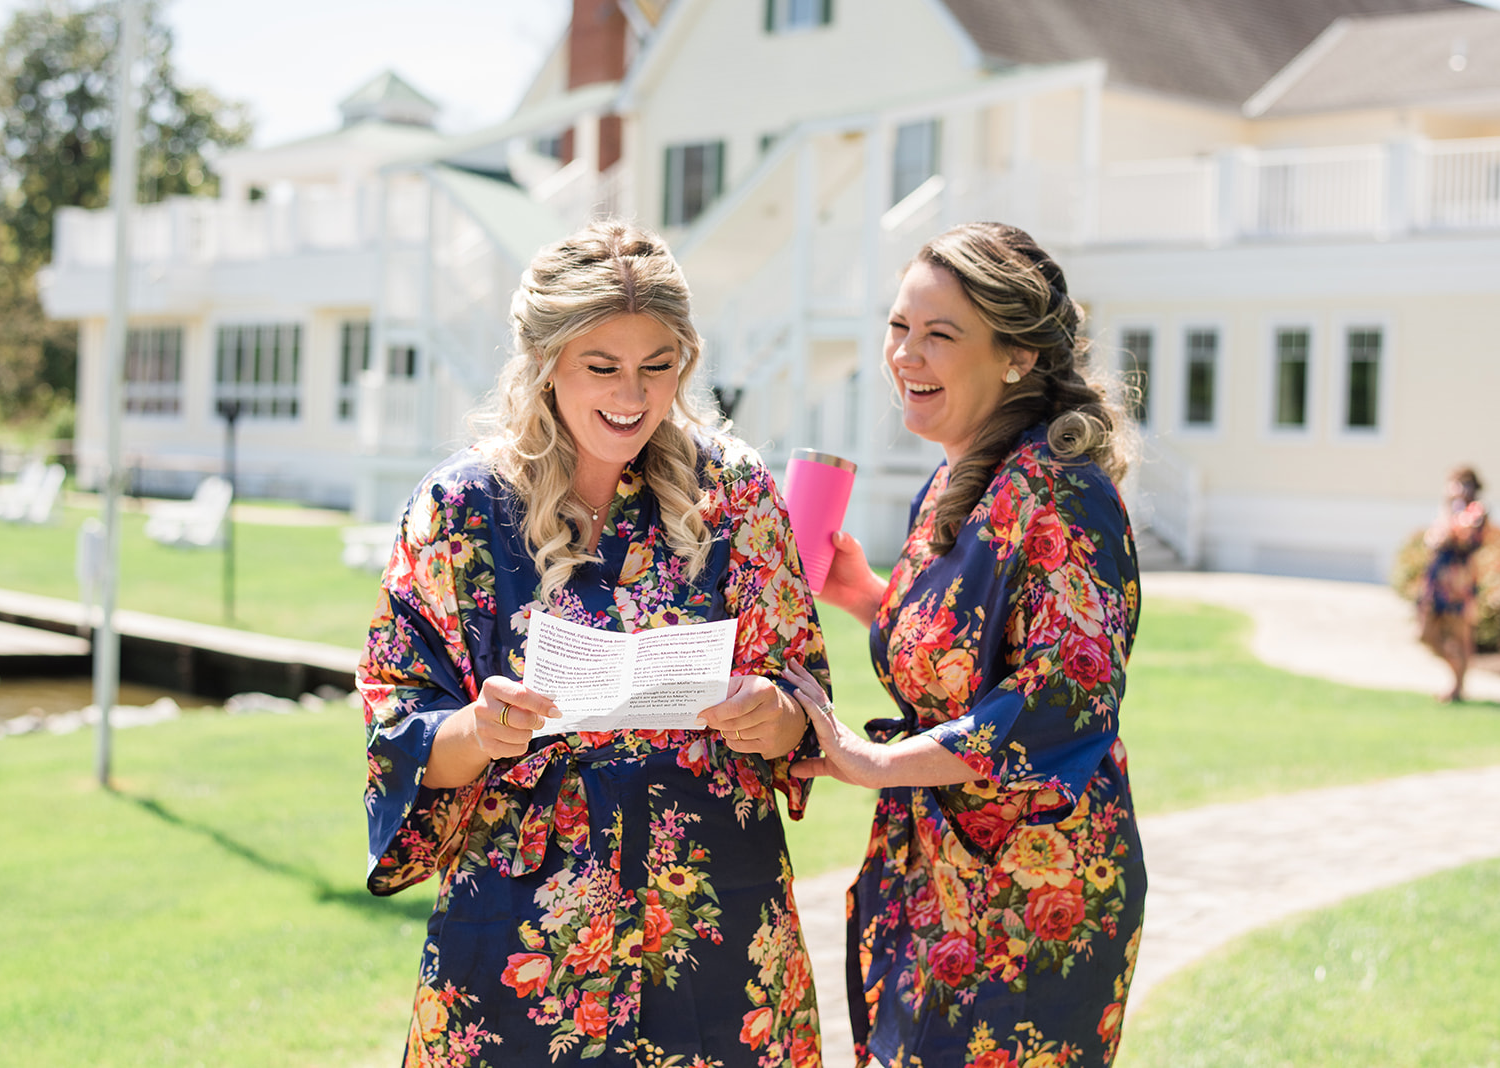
622	422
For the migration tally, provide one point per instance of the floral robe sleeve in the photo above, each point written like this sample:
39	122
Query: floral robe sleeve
1036	617
460	572
623	895
996	921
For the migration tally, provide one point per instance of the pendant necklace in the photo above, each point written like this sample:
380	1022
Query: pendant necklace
593	510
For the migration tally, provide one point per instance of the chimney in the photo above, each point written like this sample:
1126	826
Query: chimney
596	53
596	43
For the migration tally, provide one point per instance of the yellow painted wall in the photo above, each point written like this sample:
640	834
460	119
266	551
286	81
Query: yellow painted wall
1439	373
1138	126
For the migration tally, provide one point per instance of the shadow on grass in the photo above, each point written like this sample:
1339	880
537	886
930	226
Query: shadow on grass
414	908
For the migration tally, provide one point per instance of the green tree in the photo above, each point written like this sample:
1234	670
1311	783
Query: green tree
57	86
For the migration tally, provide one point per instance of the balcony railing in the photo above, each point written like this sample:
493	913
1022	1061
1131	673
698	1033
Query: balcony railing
1349	191
199	231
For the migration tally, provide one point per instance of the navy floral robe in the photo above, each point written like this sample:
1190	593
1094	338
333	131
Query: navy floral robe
995	923
619	898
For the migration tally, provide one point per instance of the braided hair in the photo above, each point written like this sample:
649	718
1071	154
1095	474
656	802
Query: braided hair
1020	293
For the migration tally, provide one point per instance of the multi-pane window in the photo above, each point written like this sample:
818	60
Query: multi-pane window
258	365
354	359
784	15
1201	360
694	180
1290	401
401	361
1362	349
916	157
153	371
1135	362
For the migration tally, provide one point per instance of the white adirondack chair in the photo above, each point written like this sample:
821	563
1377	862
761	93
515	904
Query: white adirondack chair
33	496
197	523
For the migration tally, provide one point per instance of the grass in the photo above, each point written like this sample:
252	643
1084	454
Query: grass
1399	978
211	908
288	580
208	910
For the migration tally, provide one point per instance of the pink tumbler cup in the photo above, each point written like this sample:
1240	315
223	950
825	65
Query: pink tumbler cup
817	493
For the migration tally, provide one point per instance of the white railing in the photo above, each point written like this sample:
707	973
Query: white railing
577	193
1348	191
1315	191
389	410
1168	499
193	230
1172	200
1463	184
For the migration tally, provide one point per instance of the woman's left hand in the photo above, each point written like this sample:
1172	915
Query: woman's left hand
756	717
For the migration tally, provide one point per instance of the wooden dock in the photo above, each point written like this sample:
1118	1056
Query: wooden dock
42	636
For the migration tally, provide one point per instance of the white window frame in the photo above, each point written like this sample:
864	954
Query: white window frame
674	182
1270	390
1338	401
797	16
346	407
273	398
1154	376
930	165
153	398
1215	426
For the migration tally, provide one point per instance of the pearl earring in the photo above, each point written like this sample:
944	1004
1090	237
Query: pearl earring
1012	376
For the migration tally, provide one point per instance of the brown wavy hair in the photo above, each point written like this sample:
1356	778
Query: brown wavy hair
1020	292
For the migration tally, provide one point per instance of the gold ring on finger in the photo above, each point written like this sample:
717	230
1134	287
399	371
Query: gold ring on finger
505	715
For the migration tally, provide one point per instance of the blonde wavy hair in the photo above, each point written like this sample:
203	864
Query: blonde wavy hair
608	269
1020	292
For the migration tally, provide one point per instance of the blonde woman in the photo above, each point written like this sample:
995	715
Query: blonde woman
606	898
996	919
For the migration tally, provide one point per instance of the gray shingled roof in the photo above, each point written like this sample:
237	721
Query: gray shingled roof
1442	57
1217	50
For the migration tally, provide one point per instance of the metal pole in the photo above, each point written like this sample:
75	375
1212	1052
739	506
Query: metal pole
122	197
230	410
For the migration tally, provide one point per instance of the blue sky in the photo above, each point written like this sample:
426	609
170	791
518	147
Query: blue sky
292	61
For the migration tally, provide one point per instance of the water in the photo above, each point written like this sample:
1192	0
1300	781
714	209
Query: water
59	696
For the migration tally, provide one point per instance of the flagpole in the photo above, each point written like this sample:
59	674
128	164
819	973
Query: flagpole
122	198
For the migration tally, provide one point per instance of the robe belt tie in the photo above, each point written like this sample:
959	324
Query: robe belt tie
576	798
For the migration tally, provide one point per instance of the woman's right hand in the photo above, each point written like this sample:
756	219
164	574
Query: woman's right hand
495	726
851	584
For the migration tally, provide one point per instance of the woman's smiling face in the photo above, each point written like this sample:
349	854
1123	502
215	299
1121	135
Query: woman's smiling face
614	385
949	370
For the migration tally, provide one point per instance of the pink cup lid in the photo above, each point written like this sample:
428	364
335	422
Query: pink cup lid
828	458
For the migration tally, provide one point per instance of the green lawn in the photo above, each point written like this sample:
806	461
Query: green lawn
211	908
288	580
1400	978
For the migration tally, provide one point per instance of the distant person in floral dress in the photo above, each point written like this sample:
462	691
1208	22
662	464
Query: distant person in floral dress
1448	605
997	916
620	898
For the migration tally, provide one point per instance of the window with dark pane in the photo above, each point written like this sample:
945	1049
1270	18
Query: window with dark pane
1292	347
153	371
1202	359
1135	364
694	180
354	359
259	366
1362	391
916	157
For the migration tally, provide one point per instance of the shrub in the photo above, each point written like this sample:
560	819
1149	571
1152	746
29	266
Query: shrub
1412	559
